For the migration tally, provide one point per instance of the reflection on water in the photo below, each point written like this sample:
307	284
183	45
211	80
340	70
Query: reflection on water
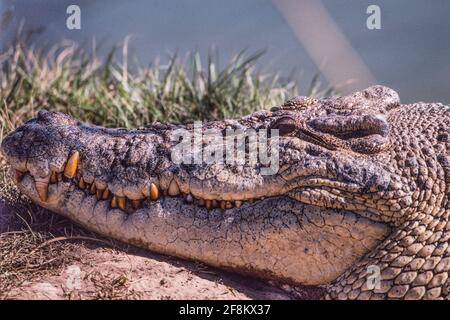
410	53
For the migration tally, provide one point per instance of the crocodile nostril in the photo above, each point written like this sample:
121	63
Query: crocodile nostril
42	114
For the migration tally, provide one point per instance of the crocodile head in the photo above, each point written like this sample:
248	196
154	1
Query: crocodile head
334	192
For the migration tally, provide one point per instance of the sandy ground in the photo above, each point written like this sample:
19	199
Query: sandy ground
106	273
100	270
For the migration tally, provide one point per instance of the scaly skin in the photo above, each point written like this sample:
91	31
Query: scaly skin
363	185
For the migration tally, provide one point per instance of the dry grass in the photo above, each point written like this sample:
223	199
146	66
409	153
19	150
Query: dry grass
110	287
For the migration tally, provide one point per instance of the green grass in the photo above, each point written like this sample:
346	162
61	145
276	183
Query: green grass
106	93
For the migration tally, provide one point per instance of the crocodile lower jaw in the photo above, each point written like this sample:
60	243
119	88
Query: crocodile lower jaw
276	238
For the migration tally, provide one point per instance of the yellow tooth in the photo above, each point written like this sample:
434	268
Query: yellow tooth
228	205
135	203
154	192
114	202
81	183
99	194
174	190
251	200
42	187
238	203
53	177
105	194
72	164
93	188
201	202
19	175
121	202
208	204
59	176
223	204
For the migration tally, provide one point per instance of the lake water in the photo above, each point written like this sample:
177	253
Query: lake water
410	52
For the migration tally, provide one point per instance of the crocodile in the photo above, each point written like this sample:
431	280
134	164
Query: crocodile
358	204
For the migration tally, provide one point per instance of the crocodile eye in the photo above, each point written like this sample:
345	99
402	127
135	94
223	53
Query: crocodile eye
285	125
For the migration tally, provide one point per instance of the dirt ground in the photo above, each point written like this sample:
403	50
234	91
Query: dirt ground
45	256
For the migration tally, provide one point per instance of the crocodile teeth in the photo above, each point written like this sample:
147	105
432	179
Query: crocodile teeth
19	175
201	202
99	194
81	183
154	192
208	204
223	204
72	164
93	188
53	177
42	187
121	202
174	190
105	194
135	203
114	202
238	203
228	205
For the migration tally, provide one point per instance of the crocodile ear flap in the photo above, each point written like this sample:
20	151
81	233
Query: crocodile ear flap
366	133
375	99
